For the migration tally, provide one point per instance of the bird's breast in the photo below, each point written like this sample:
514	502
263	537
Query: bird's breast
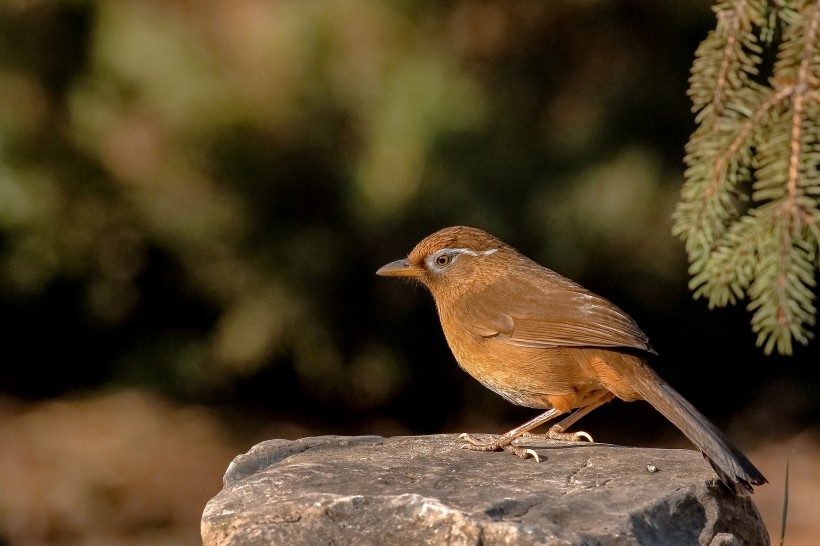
526	376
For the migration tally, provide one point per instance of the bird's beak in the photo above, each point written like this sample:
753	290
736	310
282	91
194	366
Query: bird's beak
400	268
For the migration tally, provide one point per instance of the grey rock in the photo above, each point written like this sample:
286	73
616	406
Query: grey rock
425	490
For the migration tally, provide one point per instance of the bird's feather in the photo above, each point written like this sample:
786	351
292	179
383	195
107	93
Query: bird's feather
558	313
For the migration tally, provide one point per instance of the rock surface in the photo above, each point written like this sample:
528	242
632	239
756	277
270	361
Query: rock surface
424	490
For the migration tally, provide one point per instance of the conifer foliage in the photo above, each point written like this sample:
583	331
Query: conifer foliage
749	211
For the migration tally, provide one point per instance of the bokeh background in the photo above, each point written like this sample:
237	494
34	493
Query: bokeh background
194	197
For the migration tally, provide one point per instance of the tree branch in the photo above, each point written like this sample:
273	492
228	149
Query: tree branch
733	16
800	90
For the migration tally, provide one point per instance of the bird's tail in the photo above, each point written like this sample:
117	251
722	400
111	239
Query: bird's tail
732	466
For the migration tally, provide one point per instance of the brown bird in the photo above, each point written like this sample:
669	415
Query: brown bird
543	341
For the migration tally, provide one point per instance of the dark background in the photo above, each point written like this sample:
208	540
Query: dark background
194	198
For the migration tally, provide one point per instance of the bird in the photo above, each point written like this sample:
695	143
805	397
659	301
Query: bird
543	341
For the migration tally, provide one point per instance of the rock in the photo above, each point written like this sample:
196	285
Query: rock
425	490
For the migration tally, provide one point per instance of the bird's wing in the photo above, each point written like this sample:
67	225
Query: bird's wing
556	313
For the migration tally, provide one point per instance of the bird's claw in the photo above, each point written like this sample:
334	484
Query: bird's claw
474	444
495	445
556	432
523	452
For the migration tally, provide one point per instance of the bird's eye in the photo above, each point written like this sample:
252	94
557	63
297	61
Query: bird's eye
443	260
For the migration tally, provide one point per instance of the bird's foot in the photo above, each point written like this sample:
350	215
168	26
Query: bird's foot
556	432
499	443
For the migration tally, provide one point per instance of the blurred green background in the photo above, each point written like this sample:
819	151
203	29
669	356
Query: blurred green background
194	198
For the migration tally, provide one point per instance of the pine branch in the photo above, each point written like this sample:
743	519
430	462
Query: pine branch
728	56
719	158
721	91
782	295
728	273
757	240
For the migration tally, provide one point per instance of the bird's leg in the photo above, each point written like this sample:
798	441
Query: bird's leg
505	440
557	431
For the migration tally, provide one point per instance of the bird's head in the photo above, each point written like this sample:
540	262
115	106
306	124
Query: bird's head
452	259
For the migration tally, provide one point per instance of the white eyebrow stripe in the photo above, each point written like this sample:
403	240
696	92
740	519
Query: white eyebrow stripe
471	252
